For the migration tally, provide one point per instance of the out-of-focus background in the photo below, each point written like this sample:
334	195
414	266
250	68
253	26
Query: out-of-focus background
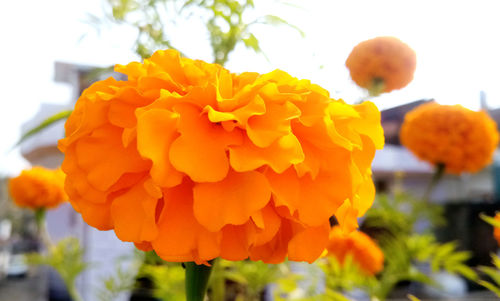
49	48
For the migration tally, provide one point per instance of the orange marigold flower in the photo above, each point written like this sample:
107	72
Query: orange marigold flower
382	61
38	188
195	162
362	249
496	230
460	139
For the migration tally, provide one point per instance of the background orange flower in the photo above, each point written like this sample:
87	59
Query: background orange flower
382	60
363	250
461	139
38	188
195	162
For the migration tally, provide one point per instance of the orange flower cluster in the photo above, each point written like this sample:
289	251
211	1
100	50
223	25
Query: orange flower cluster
384	60
496	230
38	188
195	162
461	139
363	250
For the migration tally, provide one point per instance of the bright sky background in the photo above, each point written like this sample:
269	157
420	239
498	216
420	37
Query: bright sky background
457	45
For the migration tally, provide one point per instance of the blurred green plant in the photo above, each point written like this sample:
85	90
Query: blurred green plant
123	280
167	278
66	257
494	274
155	20
393	221
249	279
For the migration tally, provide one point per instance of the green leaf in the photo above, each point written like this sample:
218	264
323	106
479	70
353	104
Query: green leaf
44	124
275	20
412	298
490	220
252	42
490	287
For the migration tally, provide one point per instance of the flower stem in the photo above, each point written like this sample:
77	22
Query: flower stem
196	280
438	174
376	87
41	225
73	292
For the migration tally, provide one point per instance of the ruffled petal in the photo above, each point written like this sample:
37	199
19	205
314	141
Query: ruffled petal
230	201
309	243
322	196
236	241
181	235
275	123
105	159
200	151
285	188
274	251
156	130
134	214
347	217
280	155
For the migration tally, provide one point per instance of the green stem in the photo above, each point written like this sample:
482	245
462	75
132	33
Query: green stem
438	174
41	225
196	280
218	282
377	87
73	292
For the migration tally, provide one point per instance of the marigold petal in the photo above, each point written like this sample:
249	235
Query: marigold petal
347	217
181	237
236	241
230	201
285	188
274	251
265	129
308	244
280	155
198	133
268	223
133	213
322	196
103	171
156	130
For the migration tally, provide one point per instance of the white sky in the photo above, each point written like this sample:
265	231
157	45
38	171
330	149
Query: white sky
457	45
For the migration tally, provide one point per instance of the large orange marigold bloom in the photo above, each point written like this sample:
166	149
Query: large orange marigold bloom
195	162
362	249
382	60
38	188
460	139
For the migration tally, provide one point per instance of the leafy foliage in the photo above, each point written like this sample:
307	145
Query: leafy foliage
120	282
393	222
155	20
494	273
168	280
66	257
